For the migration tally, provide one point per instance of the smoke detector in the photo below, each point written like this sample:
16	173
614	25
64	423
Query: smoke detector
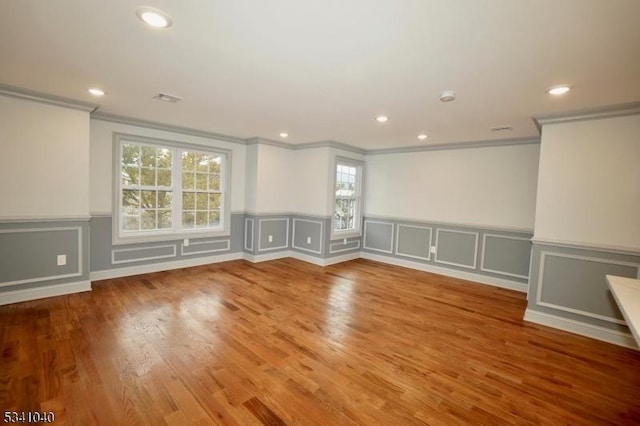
447	96
167	97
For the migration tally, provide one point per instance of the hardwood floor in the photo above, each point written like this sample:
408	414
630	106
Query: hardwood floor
286	342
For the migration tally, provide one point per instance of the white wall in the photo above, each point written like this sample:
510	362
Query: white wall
311	183
490	186
102	161
44	166
589	185
275	179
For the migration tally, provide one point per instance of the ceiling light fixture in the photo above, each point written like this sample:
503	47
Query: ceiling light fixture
153	17
382	119
559	90
284	135
447	96
96	92
422	136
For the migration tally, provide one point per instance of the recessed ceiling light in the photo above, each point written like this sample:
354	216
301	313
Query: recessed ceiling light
284	135
154	17
447	96
422	136
559	90
382	119
96	92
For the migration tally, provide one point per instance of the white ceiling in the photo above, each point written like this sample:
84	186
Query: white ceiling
322	70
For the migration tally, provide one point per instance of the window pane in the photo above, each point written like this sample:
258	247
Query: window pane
148	158
202	219
147	176
130	176
188	161
201	181
164	158
164	177
164	219
187	180
188	220
216	164
214	218
164	199
202	201
130	155
131	223
188	201
202	163
214	201
148	199
148	219
130	198
214	182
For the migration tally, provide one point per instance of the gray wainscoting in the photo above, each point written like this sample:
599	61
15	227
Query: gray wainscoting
492	252
29	253
106	256
273	234
570	282
308	235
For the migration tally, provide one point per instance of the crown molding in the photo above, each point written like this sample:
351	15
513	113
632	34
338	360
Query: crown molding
256	140
120	119
331	144
610	111
455	145
30	95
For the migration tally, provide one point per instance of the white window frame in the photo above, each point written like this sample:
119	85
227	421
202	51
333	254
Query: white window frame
357	230
176	232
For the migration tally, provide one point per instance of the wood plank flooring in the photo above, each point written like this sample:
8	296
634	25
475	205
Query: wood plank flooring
286	342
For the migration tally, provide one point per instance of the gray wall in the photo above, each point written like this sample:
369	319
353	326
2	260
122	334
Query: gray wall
495	253
29	251
104	255
570	282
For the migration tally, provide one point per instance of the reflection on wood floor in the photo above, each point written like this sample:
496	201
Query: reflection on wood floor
287	342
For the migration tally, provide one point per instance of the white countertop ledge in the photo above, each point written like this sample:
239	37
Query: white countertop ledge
626	291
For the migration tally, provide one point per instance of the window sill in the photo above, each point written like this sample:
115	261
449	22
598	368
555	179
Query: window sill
340	235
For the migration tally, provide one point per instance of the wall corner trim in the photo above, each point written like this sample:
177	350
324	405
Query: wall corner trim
609	111
45	98
588	330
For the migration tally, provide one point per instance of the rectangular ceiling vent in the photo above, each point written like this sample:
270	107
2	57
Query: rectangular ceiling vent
501	128
167	97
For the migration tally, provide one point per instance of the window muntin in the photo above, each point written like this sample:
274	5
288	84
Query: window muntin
347	198
166	191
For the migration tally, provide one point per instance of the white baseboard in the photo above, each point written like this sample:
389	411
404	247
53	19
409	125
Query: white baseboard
339	259
589	330
482	279
324	262
162	266
15	296
256	258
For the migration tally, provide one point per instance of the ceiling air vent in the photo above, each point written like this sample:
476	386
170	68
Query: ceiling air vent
167	97
501	128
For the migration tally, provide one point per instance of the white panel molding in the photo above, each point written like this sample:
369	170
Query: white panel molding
331	245
164	266
412	255
200	243
286	240
77	273
633	251
29	219
246	227
441	224
539	302
593	331
364	243
293	241
484	250
475	251
470	276
15	296
140	259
